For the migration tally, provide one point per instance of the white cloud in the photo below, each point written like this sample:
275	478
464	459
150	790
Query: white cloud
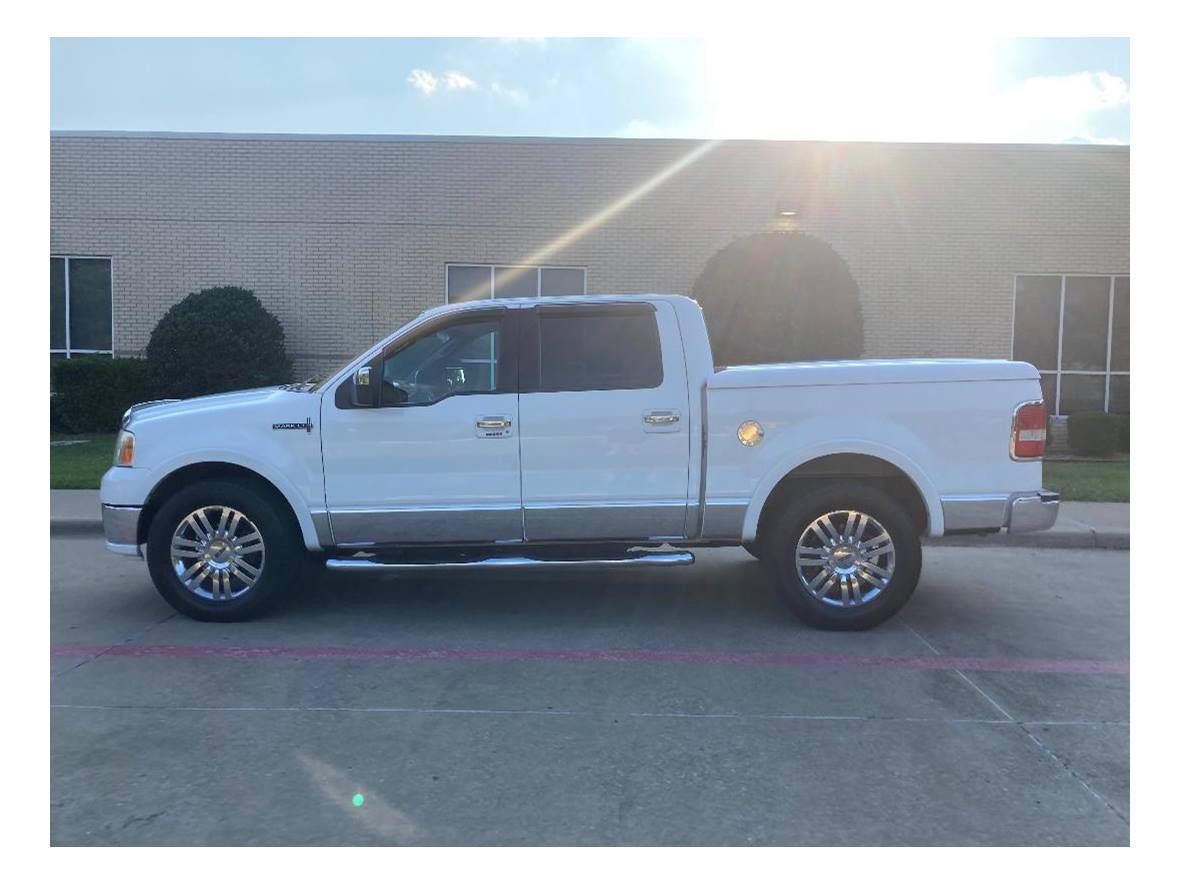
428	84
516	96
1059	107
868	89
640	129
424	81
454	80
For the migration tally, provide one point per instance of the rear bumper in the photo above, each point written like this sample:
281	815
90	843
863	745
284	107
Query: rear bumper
1033	512
120	527
1018	513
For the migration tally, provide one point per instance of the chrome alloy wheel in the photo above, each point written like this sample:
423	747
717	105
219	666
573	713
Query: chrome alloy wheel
217	552
848	551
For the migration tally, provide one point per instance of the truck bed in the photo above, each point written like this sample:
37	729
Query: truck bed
842	372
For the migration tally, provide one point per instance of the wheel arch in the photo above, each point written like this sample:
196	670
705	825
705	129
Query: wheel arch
204	470
888	469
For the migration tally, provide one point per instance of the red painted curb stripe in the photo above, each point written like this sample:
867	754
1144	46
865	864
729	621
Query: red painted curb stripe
621	656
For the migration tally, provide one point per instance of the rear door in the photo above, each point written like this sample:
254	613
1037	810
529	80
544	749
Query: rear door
604	441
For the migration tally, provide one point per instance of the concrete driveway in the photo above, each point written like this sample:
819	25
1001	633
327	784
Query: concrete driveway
671	707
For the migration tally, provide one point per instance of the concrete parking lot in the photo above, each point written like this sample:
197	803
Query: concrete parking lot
670	707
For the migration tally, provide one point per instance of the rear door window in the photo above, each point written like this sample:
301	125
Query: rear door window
599	348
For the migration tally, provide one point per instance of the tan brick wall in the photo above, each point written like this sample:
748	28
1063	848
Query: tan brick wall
344	239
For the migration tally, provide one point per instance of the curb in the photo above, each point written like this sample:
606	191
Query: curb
74	525
1092	539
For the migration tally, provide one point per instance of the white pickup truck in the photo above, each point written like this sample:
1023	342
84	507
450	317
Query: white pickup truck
578	432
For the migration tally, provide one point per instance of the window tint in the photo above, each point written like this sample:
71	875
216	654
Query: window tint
57	304
1083	335
79	305
1120	394
599	349
463	357
472	282
1082	393
563	281
1038	305
1120	336
90	304
466	283
1076	330
516	282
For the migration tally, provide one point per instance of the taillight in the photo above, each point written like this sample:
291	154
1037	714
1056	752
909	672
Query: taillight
1029	431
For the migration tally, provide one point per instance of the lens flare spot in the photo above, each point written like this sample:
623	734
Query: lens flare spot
358	800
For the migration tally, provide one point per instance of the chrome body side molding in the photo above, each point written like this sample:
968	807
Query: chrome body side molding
622	560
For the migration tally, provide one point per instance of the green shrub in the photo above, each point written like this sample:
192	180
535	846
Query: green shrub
91	393
216	340
780	297
1124	444
1093	433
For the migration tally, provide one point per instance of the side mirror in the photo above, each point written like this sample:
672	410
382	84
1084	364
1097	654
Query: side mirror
364	392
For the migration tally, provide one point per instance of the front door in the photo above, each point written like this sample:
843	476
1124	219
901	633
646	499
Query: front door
437	460
604	422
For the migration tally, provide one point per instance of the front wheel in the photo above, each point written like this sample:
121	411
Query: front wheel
222	551
844	556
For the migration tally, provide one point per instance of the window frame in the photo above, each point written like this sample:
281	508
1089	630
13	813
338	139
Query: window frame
1106	373
492	271
67	351
529	372
508	373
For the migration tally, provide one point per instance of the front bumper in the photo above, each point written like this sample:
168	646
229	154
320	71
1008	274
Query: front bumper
1033	511
120	526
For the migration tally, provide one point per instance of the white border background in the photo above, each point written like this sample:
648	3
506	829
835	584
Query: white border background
1154	200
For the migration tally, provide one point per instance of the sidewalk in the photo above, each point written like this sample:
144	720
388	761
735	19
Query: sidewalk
74	512
1079	524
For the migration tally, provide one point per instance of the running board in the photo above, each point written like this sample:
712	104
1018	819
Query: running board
623	560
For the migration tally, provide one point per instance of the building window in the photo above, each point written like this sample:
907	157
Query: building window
1076	330
472	282
79	306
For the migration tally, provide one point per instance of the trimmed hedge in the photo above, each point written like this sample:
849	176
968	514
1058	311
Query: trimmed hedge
1124	433
1093	433
780	297
91	393
216	340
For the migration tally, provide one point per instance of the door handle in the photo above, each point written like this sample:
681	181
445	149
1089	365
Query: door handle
498	422
493	426
662	418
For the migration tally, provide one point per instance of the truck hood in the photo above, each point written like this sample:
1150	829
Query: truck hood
915	371
292	403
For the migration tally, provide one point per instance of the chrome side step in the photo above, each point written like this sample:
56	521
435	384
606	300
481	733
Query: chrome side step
623	560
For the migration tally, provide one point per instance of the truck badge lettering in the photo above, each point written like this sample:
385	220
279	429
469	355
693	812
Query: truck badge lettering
294	425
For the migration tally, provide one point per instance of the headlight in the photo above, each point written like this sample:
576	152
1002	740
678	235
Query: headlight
125	449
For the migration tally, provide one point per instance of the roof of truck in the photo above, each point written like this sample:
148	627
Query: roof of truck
549	299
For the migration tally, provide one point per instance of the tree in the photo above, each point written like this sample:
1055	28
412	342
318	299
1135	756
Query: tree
216	340
780	297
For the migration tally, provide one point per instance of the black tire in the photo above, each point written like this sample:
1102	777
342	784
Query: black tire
787	527
285	553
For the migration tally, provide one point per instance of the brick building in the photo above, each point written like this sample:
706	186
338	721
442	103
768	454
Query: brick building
959	250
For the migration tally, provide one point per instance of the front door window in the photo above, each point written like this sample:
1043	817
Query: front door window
463	357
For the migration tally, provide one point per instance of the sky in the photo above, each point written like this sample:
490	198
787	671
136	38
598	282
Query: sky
857	88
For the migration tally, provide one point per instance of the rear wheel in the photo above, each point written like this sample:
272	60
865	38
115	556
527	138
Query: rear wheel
223	551
843	557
